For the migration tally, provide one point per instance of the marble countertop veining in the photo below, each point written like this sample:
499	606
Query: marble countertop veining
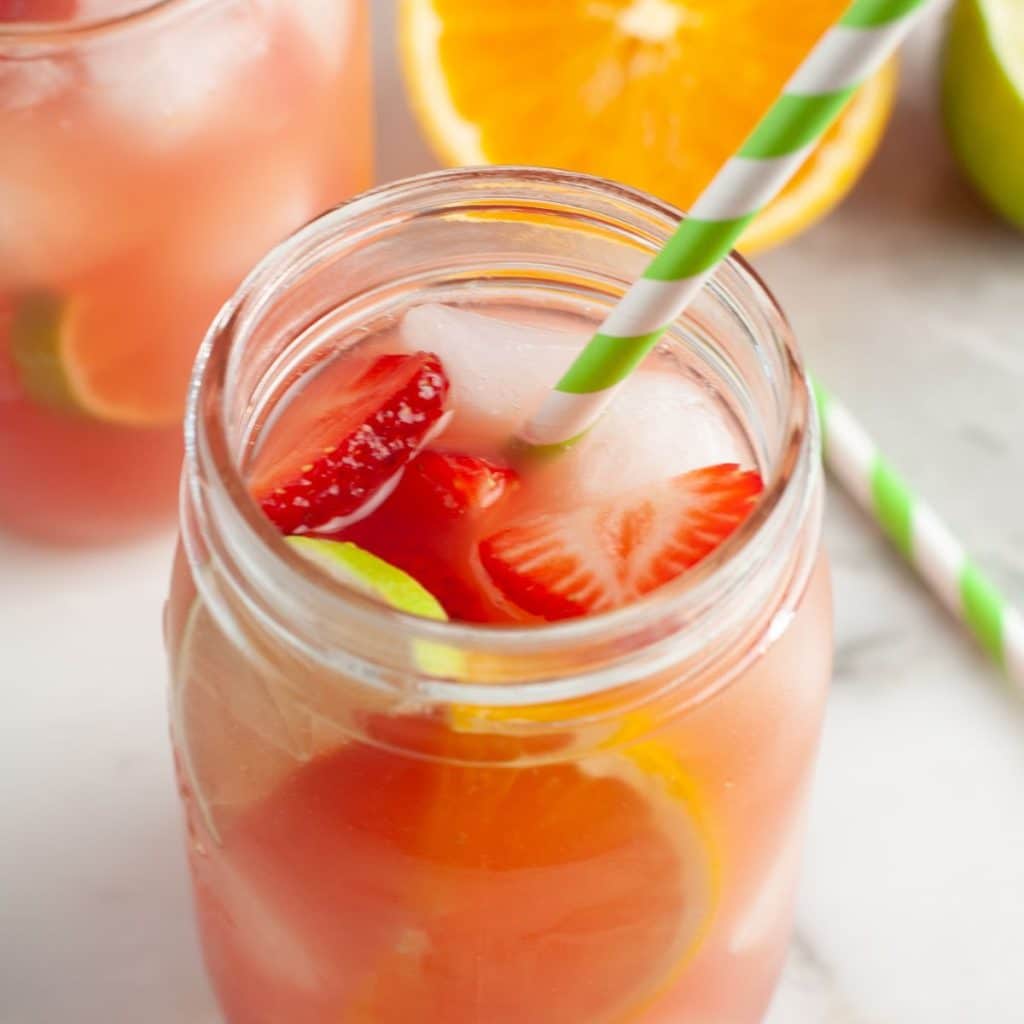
908	302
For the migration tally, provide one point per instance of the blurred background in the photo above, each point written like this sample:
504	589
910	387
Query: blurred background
907	299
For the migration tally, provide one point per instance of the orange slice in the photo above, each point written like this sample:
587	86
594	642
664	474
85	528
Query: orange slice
426	890
654	93
119	350
342	880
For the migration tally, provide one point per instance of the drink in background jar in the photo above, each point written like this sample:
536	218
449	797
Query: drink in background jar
151	153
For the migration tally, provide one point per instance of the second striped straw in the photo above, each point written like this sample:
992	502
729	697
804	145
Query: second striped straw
848	53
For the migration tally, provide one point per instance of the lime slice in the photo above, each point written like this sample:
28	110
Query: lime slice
370	575
983	99
244	720
36	352
102	358
390	585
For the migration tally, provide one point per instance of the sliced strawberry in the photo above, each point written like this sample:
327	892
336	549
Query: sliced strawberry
452	485
605	555
370	429
37	10
431	523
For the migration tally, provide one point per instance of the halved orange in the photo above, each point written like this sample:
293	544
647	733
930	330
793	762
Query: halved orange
654	93
832	169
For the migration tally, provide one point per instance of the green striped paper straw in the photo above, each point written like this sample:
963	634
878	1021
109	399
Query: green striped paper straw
844	57
920	536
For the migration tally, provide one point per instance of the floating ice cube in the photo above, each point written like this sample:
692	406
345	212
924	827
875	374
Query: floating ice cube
496	368
660	424
163	75
30	83
327	24
262	935
53	223
241	213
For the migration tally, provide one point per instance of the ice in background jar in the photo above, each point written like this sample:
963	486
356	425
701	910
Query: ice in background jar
151	153
397	819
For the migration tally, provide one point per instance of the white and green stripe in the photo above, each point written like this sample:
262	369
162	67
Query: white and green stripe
847	54
921	537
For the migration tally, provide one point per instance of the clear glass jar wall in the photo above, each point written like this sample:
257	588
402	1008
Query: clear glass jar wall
396	819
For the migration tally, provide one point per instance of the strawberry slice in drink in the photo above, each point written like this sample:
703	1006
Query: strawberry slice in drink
363	434
450	486
431	523
9	388
607	554
37	10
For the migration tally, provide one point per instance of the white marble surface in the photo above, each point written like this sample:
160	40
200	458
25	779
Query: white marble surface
908	301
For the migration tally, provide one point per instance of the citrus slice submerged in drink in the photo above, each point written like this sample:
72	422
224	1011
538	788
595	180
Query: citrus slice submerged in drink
356	882
436	869
108	354
422	890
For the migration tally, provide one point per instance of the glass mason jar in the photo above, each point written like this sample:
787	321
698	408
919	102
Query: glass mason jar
151	153
397	819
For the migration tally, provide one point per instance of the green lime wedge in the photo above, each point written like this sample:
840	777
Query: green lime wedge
37	354
983	99
369	574
372	575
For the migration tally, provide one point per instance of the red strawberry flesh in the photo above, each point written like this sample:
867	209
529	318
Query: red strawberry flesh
431	523
368	431
452	485
37	10
608	554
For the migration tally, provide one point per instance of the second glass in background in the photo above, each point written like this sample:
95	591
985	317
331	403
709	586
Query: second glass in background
149	159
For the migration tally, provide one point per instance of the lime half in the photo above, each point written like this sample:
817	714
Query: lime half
983	99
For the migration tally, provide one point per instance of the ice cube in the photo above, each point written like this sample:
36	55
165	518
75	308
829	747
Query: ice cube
162	77
261	935
31	82
54	223
660	424
497	368
326	24
239	213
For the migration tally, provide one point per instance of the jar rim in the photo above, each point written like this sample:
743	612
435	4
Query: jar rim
699	588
